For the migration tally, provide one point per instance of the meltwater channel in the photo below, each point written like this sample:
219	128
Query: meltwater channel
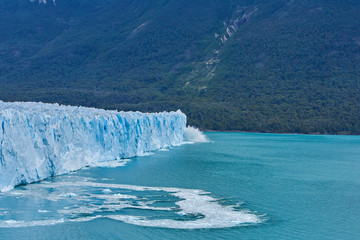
236	186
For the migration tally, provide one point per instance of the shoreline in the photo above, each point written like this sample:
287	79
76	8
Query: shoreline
285	133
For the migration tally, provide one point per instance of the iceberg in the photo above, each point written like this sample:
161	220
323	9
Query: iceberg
39	140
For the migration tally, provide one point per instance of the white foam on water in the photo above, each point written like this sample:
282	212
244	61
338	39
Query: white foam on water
85	219
2	213
16	224
145	154
80	210
192	134
112	164
186	142
163	150
6	188
43	211
106	191
196	208
68	195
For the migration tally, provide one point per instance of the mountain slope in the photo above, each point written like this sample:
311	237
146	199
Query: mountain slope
270	66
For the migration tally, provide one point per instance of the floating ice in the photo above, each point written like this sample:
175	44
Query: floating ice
69	195
164	150
170	207
40	140
106	191
43	211
14	224
112	164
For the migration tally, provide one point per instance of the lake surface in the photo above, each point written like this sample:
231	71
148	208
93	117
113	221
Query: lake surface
238	186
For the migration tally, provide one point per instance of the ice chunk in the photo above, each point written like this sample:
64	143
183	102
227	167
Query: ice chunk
106	191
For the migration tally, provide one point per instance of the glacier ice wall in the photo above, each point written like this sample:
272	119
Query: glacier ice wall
40	140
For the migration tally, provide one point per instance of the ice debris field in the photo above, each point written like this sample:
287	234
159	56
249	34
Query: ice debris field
39	140
82	199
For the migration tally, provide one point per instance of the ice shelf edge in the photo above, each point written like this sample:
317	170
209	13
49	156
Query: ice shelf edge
39	140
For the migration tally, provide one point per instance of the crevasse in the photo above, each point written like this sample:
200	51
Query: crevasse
39	140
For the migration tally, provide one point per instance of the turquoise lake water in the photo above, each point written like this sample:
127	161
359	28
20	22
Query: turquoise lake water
238	186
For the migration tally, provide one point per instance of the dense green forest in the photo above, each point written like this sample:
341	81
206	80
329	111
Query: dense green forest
261	65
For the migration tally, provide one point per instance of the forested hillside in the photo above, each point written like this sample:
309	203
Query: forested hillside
262	65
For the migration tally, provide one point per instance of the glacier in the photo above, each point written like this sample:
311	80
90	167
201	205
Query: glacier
39	140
